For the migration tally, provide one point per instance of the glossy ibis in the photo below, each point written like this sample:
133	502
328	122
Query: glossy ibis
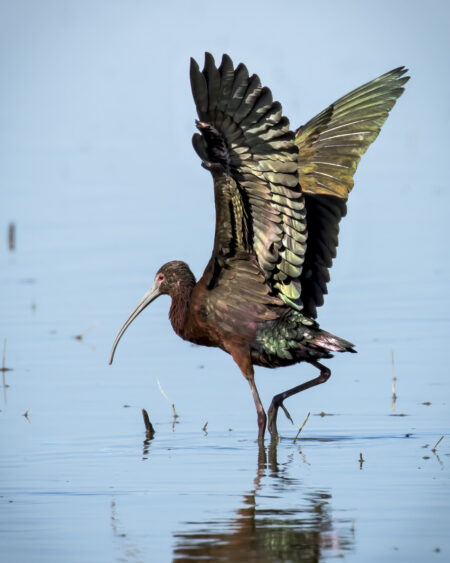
279	197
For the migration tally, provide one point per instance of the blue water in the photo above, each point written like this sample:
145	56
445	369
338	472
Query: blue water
102	185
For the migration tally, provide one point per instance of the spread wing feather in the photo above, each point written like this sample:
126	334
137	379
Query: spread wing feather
246	143
330	147
244	137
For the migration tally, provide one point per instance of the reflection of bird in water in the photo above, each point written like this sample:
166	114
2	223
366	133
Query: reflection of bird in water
261	531
279	198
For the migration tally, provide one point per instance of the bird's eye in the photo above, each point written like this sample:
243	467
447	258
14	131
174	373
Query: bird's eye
160	277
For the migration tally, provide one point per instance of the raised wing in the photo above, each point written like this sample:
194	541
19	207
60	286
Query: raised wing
247	145
330	147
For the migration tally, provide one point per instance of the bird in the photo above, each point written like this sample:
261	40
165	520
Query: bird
279	197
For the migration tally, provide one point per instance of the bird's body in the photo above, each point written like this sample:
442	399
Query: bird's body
279	198
273	335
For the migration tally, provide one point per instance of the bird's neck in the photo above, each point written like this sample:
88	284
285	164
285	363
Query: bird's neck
179	310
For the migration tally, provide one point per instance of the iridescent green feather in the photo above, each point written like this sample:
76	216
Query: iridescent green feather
294	337
330	147
282	338
331	144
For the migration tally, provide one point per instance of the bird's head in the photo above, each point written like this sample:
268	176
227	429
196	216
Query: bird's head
167	280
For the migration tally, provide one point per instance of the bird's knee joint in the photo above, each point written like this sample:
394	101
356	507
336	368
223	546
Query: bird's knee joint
277	400
325	375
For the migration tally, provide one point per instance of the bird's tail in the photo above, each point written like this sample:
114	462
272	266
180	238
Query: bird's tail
332	343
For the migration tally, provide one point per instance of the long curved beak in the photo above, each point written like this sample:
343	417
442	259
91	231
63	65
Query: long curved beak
150	296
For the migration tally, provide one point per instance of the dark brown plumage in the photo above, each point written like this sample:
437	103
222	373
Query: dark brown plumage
279	198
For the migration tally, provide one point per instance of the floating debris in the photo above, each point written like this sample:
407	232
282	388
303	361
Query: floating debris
361	460
301	427
3	369
12	237
394	381
82	334
149	430
175	414
437	444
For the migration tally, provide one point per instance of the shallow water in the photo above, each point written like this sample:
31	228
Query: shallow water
102	186
79	480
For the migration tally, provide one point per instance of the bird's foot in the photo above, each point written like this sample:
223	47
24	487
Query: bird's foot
272	413
286	412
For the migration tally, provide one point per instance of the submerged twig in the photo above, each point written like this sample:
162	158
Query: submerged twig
12	236
394	381
4	368
301	427
149	430
433	449
82	334
163	393
361	460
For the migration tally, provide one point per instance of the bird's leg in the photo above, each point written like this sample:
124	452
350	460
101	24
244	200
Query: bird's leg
259	408
243	359
277	401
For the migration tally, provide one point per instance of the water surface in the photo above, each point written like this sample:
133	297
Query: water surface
101	183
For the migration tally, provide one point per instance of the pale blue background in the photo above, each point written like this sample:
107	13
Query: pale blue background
96	98
98	174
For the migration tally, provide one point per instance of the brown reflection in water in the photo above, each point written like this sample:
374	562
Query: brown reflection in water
261	534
